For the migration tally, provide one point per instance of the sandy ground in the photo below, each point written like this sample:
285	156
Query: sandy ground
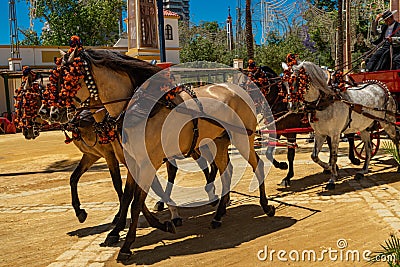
39	227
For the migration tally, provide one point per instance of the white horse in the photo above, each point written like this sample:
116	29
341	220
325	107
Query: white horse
354	110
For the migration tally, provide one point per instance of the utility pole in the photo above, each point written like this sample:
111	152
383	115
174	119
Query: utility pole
14	62
14	43
347	60
339	47
239	30
229	31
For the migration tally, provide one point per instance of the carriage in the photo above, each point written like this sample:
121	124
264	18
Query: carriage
391	78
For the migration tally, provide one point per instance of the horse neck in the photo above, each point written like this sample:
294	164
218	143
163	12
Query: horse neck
312	94
113	86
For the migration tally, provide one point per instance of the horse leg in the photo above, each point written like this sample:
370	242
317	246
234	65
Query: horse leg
394	136
84	164
270	152
332	161
210	187
329	142
366	138
146	171
171	171
210	175
290	157
352	158
127	196
318	142
138	203
246	149
113	166
225	170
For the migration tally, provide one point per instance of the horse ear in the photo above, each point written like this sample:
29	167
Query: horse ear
62	53
285	66
328	74
71	57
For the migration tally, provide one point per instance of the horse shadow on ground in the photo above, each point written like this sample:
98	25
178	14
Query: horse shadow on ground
59	166
94	230
241	224
70	165
196	235
347	174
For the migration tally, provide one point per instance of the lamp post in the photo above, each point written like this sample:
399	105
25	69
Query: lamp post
161	35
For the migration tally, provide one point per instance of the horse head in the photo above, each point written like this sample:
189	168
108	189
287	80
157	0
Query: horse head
27	103
268	82
83	78
305	83
59	97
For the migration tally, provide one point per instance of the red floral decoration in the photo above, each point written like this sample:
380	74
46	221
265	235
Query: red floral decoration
258	77
27	101
68	75
298	84
106	131
338	82
171	93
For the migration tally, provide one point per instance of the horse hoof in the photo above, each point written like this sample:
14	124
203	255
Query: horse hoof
82	216
355	161
159	206
285	183
327	171
359	176
283	166
170	227
124	256
110	240
177	222
215	224
330	186
269	210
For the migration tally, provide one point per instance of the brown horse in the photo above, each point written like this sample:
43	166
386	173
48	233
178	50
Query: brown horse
86	140
227	104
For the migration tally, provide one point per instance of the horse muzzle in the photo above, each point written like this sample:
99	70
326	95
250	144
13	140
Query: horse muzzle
44	112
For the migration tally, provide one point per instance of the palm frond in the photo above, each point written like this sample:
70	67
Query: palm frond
390	252
390	148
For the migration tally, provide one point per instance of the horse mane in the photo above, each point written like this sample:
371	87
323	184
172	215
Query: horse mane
268	70
138	70
318	76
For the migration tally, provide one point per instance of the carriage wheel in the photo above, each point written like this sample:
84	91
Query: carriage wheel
359	145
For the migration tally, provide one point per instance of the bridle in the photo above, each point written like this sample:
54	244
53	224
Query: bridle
27	98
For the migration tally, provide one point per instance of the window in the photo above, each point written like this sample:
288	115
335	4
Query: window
168	32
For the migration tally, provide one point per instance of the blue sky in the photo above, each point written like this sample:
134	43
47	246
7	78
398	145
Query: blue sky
201	10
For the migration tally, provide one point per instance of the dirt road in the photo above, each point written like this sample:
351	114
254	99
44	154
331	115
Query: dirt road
311	227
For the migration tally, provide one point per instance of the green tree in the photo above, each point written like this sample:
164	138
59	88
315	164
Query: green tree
96	22
204	42
277	48
31	37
